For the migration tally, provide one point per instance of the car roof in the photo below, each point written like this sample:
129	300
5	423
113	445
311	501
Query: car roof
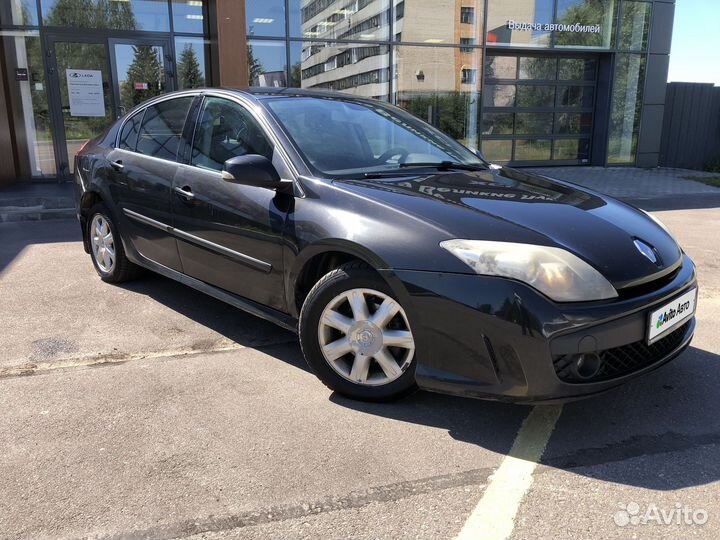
255	93
261	93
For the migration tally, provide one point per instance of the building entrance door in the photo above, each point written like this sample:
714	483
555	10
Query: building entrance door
538	109
94	80
80	97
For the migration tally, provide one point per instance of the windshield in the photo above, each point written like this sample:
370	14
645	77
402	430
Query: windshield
346	138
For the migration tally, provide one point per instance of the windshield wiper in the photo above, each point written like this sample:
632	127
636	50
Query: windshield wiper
444	165
393	173
440	165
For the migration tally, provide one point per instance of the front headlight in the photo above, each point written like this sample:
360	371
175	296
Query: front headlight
553	271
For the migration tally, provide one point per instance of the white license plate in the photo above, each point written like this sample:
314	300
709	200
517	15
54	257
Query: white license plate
669	316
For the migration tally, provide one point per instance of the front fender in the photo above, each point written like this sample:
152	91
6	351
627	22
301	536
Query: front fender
327	245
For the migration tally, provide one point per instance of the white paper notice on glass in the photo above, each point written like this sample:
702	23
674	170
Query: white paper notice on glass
85	91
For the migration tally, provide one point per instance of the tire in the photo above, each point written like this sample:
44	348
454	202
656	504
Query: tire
347	346
108	256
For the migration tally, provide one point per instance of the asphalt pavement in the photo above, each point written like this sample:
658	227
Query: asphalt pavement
148	410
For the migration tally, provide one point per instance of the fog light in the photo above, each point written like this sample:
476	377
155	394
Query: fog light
586	366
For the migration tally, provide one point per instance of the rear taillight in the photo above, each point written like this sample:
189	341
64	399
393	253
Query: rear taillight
82	147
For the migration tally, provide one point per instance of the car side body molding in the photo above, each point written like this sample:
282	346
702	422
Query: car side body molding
212	246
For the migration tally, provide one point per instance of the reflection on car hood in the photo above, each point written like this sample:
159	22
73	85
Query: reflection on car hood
512	205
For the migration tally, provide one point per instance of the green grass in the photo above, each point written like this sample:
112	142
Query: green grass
709	180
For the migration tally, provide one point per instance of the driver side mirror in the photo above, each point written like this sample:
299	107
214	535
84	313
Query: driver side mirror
251	170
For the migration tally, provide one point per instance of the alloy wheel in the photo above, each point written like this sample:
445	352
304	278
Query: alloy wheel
365	337
103	243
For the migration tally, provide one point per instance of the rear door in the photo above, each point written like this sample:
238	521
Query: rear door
230	235
144	166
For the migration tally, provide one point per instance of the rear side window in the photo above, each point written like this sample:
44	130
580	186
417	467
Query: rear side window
162	128
129	133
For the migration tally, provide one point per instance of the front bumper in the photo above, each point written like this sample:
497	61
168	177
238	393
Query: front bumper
490	337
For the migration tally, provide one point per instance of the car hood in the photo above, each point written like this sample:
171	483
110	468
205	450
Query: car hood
516	206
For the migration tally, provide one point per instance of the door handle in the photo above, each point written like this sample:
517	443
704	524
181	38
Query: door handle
117	165
185	192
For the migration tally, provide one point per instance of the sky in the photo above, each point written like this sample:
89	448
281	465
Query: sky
696	42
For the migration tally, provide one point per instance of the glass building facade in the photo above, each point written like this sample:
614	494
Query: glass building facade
528	82
71	66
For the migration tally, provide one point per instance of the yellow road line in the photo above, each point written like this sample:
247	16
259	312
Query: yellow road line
494	516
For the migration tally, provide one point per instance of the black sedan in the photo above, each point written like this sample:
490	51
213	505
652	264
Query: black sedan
401	258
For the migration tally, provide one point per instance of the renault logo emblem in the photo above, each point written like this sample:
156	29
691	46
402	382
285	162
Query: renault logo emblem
646	250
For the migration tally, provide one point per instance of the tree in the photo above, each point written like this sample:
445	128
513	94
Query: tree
626	107
25	17
296	75
628	82
451	112
188	69
71	13
92	14
588	12
634	26
146	68
255	68
115	15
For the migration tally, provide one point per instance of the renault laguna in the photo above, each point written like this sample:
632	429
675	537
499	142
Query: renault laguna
401	258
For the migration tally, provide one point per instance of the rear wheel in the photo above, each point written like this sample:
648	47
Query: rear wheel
356	337
106	249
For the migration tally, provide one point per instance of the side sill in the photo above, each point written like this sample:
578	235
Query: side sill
253	308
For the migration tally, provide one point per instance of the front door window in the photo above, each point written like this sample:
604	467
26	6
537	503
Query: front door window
226	130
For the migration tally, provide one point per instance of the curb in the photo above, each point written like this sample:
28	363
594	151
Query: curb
34	213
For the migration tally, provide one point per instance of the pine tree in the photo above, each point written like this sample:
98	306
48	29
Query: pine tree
147	68
255	68
188	69
25	17
115	15
71	13
92	14
296	75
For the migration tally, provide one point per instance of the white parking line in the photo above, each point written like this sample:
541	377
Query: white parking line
494	516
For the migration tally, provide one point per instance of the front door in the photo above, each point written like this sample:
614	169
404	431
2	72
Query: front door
229	235
95	80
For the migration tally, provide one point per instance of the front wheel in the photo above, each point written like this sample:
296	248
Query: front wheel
356	337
